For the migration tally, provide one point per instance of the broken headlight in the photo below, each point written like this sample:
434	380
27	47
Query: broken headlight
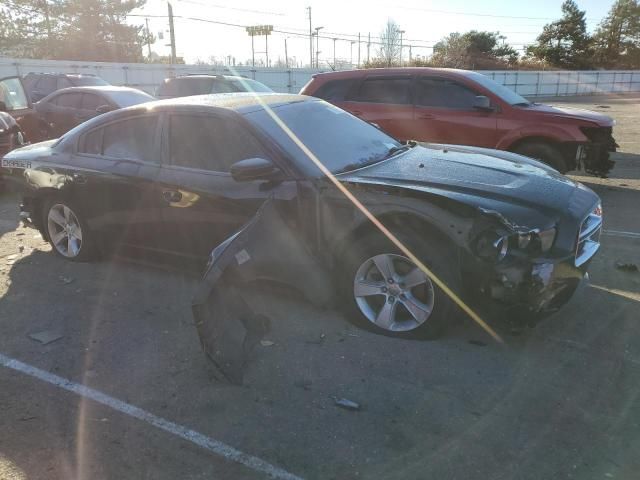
495	246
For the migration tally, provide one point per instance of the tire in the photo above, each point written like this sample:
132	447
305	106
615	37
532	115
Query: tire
544	152
67	230
365	297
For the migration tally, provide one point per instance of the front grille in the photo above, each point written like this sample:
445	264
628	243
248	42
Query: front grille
589	237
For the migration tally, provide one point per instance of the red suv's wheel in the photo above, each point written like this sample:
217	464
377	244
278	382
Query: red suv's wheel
545	153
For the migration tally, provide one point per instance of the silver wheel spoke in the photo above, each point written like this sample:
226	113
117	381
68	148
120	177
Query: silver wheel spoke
384	264
73	246
364	288
416	308
57	238
386	317
56	217
67	212
77	233
414	278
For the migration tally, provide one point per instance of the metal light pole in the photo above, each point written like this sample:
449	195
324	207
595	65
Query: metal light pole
286	55
334	53
317	29
351	56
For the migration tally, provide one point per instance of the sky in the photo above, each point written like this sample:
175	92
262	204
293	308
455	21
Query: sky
424	23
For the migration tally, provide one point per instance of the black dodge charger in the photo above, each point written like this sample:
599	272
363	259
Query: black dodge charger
180	176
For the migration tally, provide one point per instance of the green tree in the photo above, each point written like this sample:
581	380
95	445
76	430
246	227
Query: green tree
97	31
565	43
473	49
617	39
91	30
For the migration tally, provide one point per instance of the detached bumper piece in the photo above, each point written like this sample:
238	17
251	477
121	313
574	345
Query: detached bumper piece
267	248
594	156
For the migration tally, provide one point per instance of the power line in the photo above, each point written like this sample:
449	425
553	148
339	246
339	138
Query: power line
248	10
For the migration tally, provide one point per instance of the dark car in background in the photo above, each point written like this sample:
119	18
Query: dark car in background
180	176
15	102
462	107
187	85
64	109
39	85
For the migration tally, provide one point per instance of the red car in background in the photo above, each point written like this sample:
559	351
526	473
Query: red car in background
467	108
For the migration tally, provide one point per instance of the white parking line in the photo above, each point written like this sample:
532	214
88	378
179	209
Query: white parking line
619	233
208	443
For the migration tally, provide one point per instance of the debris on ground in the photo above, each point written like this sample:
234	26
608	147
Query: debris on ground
346	404
65	280
316	341
267	343
478	343
21	248
304	383
46	336
627	267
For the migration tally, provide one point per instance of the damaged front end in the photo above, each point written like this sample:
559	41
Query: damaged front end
594	155
267	248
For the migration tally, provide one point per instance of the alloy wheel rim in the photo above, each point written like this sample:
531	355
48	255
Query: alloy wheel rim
64	230
393	293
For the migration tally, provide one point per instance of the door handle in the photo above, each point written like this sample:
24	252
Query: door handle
171	196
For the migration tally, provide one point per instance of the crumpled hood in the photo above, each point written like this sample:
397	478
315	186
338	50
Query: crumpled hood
477	172
574	113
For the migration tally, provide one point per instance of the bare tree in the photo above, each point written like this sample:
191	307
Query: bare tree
389	51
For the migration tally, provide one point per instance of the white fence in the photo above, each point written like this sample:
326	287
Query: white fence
148	76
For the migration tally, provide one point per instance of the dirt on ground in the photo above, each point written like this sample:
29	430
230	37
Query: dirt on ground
557	401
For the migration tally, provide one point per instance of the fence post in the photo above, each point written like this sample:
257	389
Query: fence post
515	87
289	81
597	81
615	75
17	65
538	85
578	84
558	84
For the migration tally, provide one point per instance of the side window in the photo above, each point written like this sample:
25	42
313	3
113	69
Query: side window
12	94
223	86
131	139
46	85
210	143
334	90
91	101
443	93
68	100
64	82
91	142
384	90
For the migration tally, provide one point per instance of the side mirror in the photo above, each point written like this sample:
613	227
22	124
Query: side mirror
3	106
103	109
253	169
482	103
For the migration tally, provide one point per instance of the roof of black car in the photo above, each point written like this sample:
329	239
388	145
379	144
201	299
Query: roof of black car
240	101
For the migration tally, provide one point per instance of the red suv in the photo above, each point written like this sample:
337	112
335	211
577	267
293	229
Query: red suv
463	107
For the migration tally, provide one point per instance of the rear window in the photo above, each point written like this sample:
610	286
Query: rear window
183	87
335	90
384	90
87	81
248	85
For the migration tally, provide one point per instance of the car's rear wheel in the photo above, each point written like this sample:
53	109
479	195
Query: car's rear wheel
544	152
387	293
67	231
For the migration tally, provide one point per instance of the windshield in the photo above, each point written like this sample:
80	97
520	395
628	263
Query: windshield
341	141
127	99
88	81
506	94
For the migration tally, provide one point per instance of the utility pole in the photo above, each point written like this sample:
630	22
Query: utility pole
358	49
286	55
401	34
253	53
310	40
146	20
409	54
172	34
351	53
266	47
317	29
334	53
45	8
368	47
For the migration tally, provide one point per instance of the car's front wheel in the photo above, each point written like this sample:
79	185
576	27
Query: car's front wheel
388	293
67	231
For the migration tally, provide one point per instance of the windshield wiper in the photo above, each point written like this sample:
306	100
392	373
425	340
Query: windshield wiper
390	153
402	148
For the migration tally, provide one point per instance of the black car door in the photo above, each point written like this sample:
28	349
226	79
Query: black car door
89	106
203	204
116	166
